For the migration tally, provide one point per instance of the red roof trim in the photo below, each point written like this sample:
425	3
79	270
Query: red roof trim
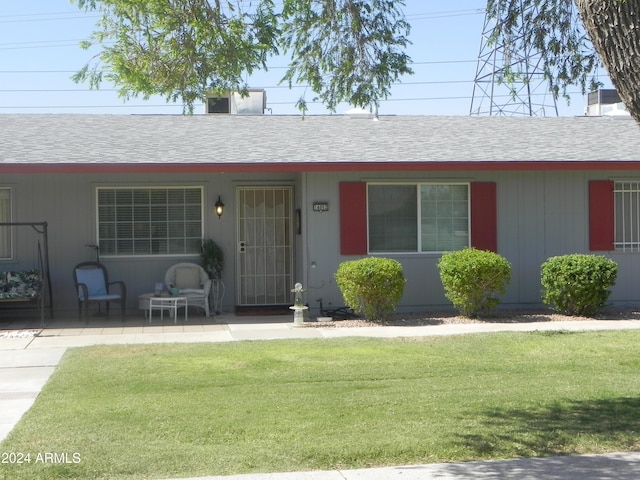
314	167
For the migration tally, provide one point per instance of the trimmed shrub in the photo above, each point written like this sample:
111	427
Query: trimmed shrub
372	286
473	278
577	284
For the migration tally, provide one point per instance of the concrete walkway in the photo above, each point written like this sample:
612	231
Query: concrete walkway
29	355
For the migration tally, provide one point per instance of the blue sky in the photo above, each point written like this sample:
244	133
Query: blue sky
39	52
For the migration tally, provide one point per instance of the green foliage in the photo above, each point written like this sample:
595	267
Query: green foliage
553	29
472	278
372	286
176	49
347	50
212	258
577	284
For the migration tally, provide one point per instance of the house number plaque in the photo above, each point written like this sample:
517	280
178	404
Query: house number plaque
320	206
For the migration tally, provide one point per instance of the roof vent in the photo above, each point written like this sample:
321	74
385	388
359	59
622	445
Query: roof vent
233	103
362	113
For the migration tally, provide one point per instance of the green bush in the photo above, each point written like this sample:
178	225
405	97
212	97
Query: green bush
577	284
372	286
472	278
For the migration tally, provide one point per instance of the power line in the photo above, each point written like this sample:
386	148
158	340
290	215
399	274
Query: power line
394	100
413	18
82	14
266	87
39	46
51	107
430	62
25	20
449	14
14	15
37	71
38	42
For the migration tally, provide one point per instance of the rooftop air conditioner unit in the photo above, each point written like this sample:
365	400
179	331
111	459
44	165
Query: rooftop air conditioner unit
605	101
233	103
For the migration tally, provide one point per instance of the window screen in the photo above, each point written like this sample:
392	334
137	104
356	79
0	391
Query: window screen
149	221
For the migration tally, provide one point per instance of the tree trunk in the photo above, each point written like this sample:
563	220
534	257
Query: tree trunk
614	28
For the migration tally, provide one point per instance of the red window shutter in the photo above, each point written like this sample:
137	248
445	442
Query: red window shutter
484	216
601	215
353	218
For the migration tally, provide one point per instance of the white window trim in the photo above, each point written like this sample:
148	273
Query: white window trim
419	216
151	187
620	187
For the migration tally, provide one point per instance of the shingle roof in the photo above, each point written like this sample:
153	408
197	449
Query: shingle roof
329	140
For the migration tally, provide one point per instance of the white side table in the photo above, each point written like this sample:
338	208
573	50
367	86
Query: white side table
143	303
171	303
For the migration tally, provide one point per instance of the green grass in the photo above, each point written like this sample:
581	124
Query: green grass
162	411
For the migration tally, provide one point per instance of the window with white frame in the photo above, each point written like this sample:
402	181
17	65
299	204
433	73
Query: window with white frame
627	215
149	220
425	217
5	217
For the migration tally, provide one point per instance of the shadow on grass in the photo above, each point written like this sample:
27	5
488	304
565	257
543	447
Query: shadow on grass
560	429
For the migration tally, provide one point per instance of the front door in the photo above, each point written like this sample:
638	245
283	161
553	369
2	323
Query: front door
264	253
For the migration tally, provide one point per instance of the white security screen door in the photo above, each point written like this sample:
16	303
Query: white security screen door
264	253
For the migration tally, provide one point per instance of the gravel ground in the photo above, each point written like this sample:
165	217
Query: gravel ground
438	318
18	333
501	316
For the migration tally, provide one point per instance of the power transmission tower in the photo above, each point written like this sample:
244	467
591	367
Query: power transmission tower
528	95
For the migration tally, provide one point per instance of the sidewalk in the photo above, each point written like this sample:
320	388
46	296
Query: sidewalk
28	356
616	466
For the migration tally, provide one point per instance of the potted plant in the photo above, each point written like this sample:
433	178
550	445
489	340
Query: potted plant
212	258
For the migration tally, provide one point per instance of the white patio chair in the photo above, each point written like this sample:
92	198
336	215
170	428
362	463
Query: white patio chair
192	281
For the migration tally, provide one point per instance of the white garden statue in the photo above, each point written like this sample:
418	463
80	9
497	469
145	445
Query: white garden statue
298	306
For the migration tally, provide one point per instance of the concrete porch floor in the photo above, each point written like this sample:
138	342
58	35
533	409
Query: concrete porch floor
69	324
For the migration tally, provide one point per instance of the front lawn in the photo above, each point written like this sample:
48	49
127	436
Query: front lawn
170	411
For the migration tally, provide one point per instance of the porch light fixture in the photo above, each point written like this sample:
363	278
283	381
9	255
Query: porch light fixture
219	207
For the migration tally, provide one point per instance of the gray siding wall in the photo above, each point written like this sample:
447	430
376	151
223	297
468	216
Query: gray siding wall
540	214
67	203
